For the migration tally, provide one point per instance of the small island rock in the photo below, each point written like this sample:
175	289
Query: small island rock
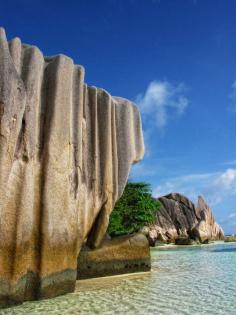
179	221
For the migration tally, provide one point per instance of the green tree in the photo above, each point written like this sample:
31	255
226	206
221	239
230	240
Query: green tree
134	209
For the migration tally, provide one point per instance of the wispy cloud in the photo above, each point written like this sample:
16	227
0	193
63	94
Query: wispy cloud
196	177
232	96
213	186
141	170
152	167
161	101
232	162
227	180
232	216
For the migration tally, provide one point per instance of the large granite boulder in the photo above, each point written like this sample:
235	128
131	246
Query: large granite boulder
119	255
180	221
206	229
65	154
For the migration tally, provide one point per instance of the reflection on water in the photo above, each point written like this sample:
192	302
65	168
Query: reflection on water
232	249
184	280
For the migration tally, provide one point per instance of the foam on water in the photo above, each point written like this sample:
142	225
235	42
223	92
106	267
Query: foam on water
183	280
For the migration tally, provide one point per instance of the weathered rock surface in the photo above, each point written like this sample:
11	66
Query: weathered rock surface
180	221
65	154
207	229
119	255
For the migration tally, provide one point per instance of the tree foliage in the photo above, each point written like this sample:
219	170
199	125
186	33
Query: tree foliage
134	209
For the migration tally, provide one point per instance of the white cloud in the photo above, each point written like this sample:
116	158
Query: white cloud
213	186
162	101
227	180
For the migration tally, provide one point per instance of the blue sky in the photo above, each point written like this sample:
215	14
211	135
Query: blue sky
176	59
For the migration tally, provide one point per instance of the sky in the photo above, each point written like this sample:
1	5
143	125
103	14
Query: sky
176	59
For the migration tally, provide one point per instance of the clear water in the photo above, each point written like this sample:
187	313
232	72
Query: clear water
189	280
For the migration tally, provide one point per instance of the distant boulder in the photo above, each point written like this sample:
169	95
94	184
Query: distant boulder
231	238
207	229
180	221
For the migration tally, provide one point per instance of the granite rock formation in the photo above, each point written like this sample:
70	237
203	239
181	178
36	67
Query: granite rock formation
207	229
65	154
180	221
119	255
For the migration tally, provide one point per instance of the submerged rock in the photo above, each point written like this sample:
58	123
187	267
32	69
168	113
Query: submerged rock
65	154
180	221
122	254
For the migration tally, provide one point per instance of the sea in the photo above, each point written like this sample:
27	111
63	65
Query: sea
184	280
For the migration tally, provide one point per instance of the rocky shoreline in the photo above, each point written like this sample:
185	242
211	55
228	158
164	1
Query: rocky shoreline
181	222
230	238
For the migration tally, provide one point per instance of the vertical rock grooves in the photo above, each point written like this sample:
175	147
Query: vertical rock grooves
65	155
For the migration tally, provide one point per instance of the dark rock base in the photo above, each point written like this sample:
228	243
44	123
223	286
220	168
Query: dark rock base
120	255
30	287
184	241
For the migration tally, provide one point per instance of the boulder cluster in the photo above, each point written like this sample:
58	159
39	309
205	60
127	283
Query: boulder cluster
180	221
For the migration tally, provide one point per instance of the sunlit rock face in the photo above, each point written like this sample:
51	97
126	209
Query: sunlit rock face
207	229
65	154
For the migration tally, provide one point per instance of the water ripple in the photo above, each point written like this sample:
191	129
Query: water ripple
183	281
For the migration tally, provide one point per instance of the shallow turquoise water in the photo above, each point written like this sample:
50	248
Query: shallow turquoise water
189	280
